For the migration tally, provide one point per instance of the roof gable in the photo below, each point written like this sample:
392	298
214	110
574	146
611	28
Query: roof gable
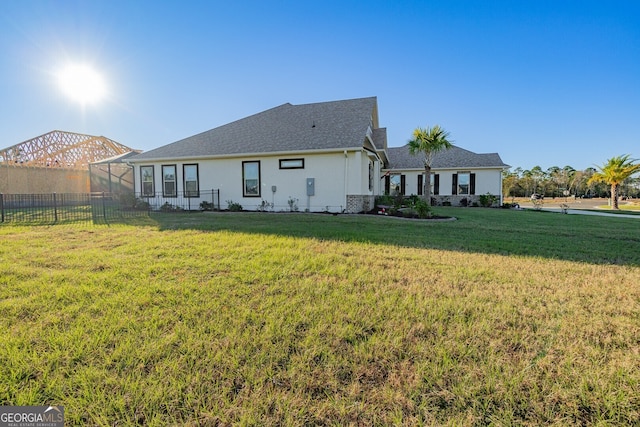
318	126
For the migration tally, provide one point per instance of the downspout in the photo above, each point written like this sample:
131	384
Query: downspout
346	175
500	187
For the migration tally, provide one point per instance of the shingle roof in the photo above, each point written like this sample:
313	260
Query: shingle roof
455	157
318	126
380	138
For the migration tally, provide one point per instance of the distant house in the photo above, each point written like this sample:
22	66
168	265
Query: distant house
458	176
327	156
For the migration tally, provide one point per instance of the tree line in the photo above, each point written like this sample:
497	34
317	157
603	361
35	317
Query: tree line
567	181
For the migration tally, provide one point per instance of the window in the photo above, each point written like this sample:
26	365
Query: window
291	163
463	183
370	176
191	187
397	184
146	177
169	181
251	179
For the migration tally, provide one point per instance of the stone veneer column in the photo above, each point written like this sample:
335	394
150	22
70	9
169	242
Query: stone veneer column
359	203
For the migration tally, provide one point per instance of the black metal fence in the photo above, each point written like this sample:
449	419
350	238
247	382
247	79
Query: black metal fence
64	207
98	207
180	201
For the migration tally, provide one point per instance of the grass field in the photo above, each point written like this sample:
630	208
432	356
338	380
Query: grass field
499	318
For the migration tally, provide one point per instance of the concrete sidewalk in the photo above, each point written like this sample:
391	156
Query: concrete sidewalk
591	212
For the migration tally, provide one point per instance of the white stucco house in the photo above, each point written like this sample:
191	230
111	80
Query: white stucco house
322	157
458	176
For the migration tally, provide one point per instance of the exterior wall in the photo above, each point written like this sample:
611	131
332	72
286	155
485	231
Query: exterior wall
338	176
487	181
37	180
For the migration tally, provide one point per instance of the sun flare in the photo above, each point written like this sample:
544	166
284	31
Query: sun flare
82	84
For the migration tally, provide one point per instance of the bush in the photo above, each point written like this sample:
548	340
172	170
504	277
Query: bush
141	205
128	200
422	208
487	200
233	206
168	207
206	206
413	199
293	204
385	200
398	200
265	206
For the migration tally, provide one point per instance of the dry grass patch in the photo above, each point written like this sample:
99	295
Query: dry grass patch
133	325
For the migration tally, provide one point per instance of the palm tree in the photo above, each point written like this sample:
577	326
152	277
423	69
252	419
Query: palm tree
429	141
614	172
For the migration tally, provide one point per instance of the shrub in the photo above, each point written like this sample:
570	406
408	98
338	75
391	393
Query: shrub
233	206
293	204
398	200
128	200
487	200
168	207
265	206
206	206
385	200
413	199
422	208
537	204
141	205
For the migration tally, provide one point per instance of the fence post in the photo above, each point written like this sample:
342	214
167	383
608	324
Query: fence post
55	208
1	207
104	208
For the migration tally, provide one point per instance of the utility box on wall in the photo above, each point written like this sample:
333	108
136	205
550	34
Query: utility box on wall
311	186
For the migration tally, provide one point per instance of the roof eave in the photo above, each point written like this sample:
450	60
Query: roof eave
244	155
434	168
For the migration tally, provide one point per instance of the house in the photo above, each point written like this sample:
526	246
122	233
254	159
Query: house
458	176
320	157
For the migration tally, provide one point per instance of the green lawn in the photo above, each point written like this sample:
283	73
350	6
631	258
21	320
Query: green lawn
501	317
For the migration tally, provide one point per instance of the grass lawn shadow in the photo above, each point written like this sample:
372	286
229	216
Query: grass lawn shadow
590	239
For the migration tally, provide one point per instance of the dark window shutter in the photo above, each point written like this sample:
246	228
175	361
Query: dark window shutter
420	184
436	184
454	184
402	184
387	184
472	184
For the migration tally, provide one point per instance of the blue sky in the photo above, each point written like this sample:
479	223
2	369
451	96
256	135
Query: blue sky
548	83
